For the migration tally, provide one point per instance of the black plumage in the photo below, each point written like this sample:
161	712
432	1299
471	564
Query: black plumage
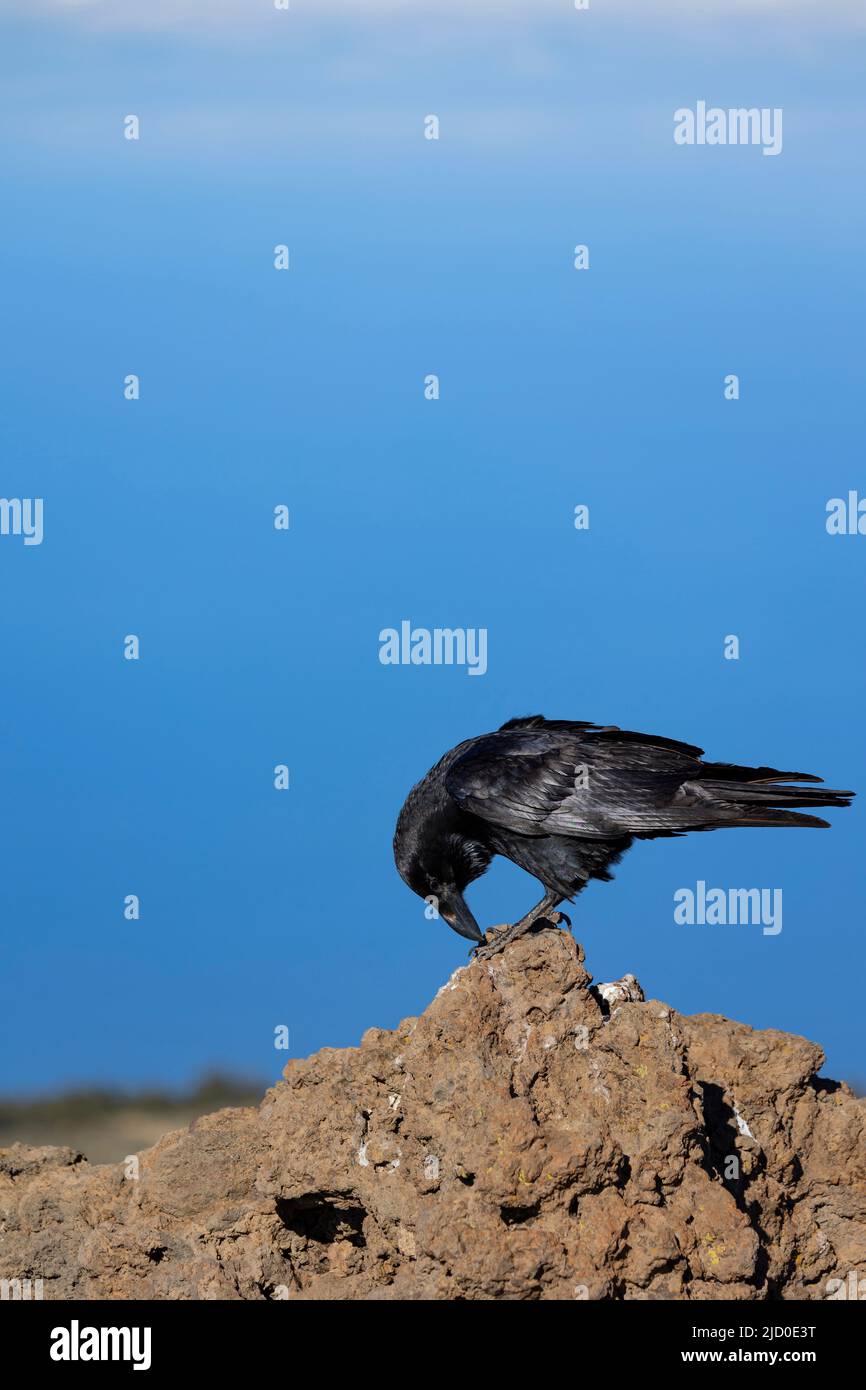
564	800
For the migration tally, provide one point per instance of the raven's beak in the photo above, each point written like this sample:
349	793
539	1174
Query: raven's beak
455	912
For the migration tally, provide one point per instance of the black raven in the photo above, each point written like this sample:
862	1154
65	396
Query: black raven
565	800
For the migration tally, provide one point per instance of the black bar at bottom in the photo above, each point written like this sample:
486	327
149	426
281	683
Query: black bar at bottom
72	1338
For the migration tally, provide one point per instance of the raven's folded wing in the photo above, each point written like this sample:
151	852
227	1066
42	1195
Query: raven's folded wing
568	780
539	778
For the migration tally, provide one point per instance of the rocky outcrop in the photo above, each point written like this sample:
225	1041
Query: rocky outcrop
529	1136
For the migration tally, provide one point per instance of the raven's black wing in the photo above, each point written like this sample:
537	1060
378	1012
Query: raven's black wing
536	777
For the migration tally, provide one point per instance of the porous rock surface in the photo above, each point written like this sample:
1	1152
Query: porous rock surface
529	1136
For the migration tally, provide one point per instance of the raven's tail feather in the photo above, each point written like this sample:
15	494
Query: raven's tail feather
759	796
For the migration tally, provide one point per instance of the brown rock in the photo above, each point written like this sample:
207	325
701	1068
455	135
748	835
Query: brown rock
528	1136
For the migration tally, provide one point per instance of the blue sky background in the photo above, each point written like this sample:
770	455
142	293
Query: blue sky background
258	647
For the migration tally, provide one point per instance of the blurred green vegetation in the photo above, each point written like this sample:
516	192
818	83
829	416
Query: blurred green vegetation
106	1124
212	1092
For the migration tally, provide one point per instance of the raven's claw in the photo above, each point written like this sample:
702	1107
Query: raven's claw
484	950
487	940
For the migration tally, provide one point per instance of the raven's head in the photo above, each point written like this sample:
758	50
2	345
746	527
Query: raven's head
438	871
451	906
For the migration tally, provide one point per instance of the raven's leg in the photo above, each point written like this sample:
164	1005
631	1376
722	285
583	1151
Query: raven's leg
546	908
